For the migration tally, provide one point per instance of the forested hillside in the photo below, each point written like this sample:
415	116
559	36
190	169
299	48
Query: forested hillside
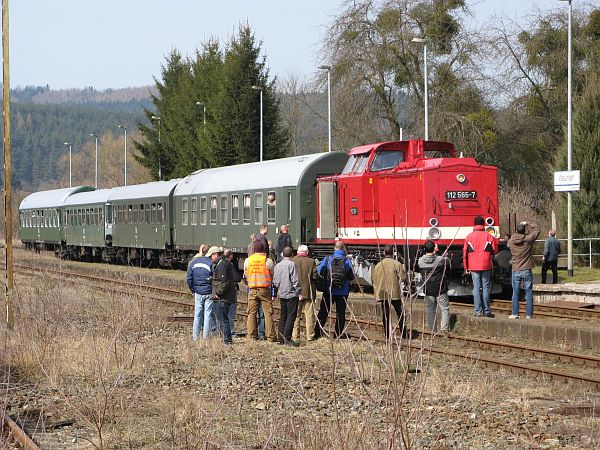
40	131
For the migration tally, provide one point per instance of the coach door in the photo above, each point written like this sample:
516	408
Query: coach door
108	222
327	209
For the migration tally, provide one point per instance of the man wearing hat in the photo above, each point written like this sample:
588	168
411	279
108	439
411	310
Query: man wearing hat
199	280
259	276
307	272
223	290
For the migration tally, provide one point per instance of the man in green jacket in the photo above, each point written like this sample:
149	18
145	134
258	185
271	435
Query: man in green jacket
387	278
307	272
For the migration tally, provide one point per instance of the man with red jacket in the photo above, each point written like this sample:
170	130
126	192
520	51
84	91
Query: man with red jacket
479	248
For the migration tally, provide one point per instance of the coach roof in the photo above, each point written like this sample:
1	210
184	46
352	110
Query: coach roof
257	175
51	199
154	189
88	198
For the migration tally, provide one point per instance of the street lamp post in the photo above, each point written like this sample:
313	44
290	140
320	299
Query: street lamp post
424	42
70	180
95	136
125	128
159	150
203	115
569	147
328	69
258	88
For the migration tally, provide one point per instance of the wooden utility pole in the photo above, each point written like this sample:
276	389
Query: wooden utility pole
10	313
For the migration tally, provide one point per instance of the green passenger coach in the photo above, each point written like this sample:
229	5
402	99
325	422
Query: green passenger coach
142	217
41	218
84	224
224	205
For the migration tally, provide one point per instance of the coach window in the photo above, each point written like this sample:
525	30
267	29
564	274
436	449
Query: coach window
387	160
224	209
258	208
203	210
184	211
160	212
246	210
136	213
289	207
141	214
129	214
235	209
153	220
147	213
194	209
271	202
213	209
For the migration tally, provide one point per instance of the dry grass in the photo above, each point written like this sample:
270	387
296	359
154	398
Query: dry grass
130	379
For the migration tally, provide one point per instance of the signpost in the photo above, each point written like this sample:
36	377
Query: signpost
567	181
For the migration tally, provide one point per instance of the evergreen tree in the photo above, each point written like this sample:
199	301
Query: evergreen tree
236	131
168	137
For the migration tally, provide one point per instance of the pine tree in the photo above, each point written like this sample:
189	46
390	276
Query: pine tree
236	132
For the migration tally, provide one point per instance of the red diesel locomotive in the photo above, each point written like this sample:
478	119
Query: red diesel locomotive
402	193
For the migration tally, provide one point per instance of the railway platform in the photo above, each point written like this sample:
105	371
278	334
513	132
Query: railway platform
588	292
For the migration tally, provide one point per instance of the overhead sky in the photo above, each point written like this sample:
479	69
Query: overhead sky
121	43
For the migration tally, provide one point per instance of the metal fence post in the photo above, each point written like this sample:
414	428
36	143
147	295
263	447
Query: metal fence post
590	253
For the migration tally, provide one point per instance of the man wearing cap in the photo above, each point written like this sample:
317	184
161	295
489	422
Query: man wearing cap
259	276
223	292
478	251
521	249
199	280
307	274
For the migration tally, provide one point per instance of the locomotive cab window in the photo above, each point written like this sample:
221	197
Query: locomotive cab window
356	164
387	160
431	154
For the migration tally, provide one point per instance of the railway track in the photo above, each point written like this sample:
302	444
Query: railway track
14	432
167	294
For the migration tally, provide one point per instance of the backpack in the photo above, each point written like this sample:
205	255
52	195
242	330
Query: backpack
337	273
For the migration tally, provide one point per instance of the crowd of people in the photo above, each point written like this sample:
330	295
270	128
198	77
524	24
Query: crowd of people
294	279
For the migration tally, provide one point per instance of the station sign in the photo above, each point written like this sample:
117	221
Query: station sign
567	181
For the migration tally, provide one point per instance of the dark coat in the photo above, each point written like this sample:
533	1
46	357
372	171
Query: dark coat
284	240
551	249
223	281
199	275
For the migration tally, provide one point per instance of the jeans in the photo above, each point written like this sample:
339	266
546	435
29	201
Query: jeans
222	309
432	303
325	308
481	277
203	316
552	265
231	315
386	316
527	277
287	317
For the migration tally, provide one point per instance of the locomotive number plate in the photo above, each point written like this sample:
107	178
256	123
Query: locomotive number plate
461	195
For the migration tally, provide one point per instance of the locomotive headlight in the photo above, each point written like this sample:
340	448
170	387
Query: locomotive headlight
489	221
434	233
492	231
433	222
461	178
